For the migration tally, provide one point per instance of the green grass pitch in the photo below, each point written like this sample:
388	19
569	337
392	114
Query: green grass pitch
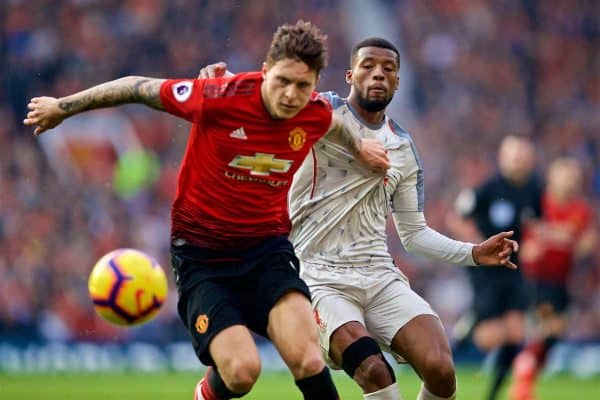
271	386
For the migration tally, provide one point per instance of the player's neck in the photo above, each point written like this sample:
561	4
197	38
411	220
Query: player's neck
516	180
263	98
371	117
560	197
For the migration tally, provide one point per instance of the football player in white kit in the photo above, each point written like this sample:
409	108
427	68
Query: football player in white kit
363	303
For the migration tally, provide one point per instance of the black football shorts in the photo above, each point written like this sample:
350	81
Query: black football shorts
219	292
545	293
496	291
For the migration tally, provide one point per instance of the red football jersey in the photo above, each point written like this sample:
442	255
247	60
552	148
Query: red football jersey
556	260
239	162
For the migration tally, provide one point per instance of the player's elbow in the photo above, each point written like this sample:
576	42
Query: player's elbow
132	82
410	243
129	79
415	239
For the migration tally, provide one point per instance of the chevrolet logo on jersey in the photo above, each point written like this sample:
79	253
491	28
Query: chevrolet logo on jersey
261	164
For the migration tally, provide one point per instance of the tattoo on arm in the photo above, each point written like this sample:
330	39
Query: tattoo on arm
131	89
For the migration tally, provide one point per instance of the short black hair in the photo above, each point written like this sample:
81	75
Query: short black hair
373	42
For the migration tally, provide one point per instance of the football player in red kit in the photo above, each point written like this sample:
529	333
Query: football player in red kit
234	267
551	247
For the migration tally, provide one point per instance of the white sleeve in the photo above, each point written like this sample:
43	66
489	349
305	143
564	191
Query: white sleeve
406	206
418	238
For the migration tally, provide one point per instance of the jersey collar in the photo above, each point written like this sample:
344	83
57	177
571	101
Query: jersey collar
362	121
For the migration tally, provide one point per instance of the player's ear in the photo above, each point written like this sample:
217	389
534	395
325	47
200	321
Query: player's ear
349	77
264	69
397	84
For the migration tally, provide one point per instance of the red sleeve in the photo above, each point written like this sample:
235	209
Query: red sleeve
587	217
184	98
319	98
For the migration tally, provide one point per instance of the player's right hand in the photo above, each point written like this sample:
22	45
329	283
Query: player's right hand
44	113
374	155
216	70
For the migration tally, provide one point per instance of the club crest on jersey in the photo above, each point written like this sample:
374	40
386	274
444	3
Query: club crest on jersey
201	324
320	323
297	138
261	164
182	90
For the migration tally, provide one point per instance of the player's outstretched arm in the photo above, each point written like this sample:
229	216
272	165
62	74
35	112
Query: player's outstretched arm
48	112
418	238
496	250
368	151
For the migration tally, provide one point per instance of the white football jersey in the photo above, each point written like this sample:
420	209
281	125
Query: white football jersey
338	206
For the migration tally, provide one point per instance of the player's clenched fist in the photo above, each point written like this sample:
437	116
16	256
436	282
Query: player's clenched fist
216	70
373	154
44	113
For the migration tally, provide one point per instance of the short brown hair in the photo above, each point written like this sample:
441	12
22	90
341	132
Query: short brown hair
302	42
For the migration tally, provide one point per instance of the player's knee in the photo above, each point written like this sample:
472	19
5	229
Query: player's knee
375	372
240	374
489	335
364	362
437	370
308	364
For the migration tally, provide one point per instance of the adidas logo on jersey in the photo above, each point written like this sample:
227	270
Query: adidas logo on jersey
239	134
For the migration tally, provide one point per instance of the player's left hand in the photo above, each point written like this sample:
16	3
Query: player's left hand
496	250
373	154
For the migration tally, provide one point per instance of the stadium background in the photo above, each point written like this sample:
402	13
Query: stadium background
472	71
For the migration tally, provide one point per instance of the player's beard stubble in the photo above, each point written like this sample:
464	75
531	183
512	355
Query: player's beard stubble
372	105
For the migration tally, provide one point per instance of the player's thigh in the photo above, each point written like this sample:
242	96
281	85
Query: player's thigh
293	331
516	293
335	308
343	337
278	296
291	321
234	353
422	342
551	302
392	308
488	297
282	309
208	309
491	301
550	299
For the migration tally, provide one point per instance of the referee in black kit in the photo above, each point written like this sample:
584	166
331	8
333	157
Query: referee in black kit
504	202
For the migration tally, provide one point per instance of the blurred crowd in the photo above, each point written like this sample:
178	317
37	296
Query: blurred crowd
480	70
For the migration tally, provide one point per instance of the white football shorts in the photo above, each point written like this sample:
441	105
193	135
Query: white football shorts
379	298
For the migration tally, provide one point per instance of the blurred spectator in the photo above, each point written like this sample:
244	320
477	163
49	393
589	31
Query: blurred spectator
481	68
